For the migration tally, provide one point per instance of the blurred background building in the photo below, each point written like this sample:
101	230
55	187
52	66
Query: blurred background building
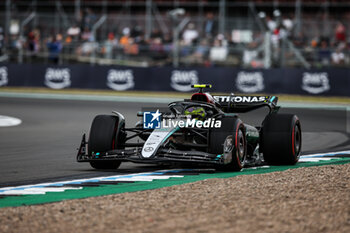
249	34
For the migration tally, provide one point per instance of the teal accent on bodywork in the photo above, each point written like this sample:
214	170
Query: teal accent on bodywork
218	157
252	134
272	98
230	114
170	133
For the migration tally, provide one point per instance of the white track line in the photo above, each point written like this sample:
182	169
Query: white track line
314	159
326	154
42	188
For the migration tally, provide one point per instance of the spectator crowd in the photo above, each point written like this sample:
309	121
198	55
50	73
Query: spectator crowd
200	43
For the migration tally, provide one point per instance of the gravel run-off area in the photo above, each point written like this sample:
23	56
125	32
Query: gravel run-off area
313	199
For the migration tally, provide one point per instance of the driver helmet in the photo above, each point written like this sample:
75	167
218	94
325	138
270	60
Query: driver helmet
196	113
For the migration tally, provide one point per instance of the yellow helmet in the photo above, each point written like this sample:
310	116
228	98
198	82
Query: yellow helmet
196	112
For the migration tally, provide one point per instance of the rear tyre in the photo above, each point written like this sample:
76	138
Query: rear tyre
230	140
281	139
103	137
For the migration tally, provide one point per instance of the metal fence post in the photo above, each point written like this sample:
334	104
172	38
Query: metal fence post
7	23
222	16
77	9
297	18
35	20
93	31
24	23
176	32
267	49
148	26
103	31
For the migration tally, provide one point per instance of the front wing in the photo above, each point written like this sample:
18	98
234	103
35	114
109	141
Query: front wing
163	155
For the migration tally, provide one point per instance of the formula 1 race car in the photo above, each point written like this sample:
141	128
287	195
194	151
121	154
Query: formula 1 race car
205	129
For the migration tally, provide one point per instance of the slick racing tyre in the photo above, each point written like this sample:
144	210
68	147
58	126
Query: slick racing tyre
103	137
281	139
229	140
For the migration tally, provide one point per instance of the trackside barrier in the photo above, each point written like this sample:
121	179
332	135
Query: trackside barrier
327	82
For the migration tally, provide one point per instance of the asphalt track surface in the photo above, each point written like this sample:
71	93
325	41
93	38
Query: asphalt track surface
43	147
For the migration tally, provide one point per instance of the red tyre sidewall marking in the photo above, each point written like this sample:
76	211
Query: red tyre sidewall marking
293	137
236	144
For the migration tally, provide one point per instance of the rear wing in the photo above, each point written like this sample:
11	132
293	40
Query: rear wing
236	104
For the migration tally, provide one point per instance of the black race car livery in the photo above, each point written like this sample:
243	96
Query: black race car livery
204	129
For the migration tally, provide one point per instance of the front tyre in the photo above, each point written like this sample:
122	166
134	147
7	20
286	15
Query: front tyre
281	139
103	137
230	142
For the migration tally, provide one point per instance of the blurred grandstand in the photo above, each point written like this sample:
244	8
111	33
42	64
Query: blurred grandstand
251	34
